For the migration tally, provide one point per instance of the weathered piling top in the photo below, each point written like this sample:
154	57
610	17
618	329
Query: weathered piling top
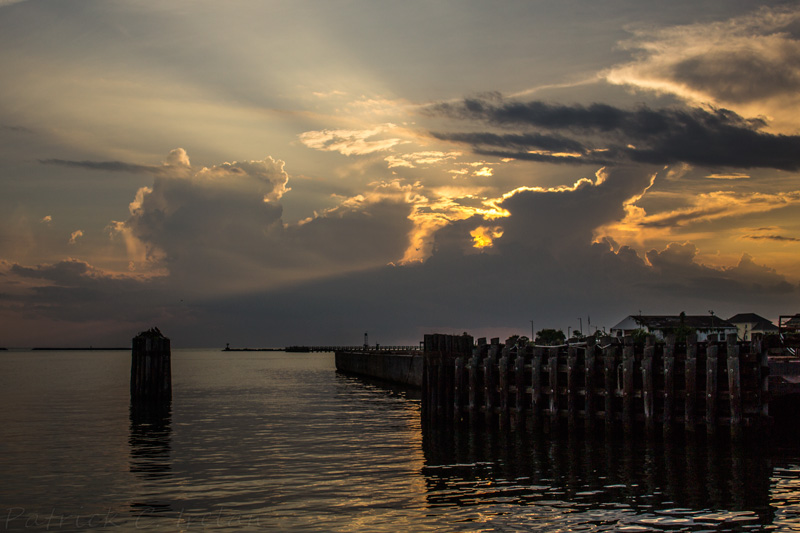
150	340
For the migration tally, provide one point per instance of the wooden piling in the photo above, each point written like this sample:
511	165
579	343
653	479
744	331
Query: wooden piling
764	379
690	376
711	387
734	384
552	370
609	375
648	385
628	362
536	384
473	369
669	383
572	384
151	368
459	387
502	381
519	382
442	406
490	382
589	373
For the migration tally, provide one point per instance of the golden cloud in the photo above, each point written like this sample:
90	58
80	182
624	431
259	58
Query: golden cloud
351	142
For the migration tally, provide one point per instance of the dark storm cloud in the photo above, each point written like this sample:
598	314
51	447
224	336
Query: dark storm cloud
742	75
527	146
553	143
545	270
779	238
111	166
606	134
63	272
73	290
16	129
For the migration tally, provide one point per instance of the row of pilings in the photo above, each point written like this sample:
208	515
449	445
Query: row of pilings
608	382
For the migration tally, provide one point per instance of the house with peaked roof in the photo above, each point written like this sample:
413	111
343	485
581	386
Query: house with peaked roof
789	323
752	326
662	325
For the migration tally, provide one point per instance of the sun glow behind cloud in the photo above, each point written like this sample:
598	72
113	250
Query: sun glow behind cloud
484	236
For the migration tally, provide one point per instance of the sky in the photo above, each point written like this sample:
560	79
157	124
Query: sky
267	173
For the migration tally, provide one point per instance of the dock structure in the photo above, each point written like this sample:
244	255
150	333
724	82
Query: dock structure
151	369
608	383
398	366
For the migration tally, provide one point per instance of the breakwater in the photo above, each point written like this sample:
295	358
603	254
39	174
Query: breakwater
403	367
610	382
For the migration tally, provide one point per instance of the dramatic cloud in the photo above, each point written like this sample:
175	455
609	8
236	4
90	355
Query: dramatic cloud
210	214
604	134
539	263
221	228
542	266
744	62
75	235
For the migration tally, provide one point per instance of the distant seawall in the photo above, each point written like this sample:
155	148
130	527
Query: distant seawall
401	368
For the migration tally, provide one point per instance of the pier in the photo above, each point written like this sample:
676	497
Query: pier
331	348
400	366
613	383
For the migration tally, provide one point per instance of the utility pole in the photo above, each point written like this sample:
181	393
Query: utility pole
533	335
580	321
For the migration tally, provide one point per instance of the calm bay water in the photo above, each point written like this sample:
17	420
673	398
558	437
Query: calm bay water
276	441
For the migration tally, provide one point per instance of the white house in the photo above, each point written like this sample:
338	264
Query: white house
750	326
662	325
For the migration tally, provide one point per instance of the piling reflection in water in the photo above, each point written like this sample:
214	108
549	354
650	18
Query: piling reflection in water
150	442
694	484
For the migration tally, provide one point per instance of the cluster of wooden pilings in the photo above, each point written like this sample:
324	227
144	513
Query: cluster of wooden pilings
608	382
151	368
